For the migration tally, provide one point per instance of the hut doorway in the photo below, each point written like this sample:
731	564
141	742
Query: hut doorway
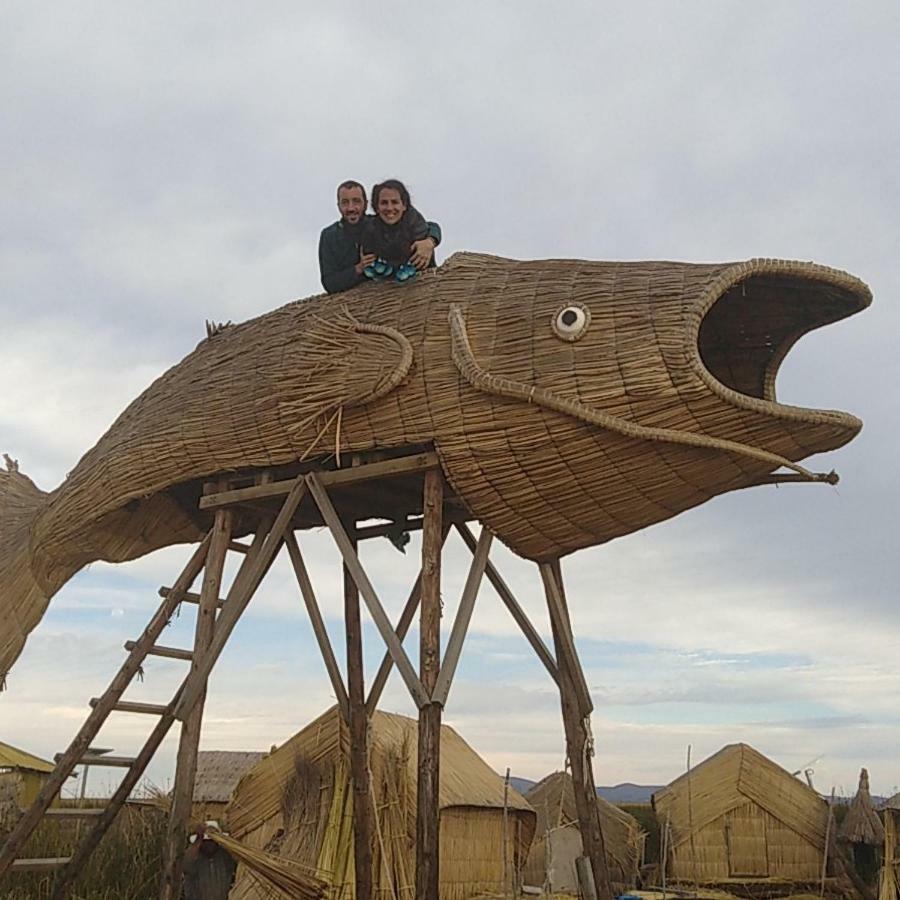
745	834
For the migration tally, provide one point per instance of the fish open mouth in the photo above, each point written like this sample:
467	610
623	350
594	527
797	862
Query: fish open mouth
739	331
751	316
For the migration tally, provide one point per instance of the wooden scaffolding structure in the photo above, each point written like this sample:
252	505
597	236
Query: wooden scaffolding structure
408	492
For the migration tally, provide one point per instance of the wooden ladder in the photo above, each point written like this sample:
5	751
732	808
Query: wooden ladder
211	634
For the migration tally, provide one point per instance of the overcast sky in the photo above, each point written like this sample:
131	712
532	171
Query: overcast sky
161	166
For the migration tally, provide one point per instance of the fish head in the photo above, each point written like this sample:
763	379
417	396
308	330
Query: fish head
641	389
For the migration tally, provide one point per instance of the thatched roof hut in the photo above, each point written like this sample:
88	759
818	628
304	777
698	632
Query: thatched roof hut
218	774
22	775
740	817
861	825
297	804
557	843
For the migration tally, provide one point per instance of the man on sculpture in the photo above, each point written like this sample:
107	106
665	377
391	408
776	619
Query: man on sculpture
341	261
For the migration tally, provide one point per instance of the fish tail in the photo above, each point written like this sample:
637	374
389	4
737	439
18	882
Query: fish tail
22	601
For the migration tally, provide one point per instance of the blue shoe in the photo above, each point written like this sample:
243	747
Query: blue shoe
406	272
369	272
382	268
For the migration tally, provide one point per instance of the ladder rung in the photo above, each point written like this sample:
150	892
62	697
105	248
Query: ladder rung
153	709
74	812
187	596
238	547
157	650
40	865
124	762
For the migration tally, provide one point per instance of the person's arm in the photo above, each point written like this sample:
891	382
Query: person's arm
423	247
335	274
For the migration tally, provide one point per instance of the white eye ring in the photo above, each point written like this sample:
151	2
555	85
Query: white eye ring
571	322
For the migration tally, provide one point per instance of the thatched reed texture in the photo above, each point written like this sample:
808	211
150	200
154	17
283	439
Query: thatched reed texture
557	841
218	773
297	804
861	825
889	882
571	402
739	816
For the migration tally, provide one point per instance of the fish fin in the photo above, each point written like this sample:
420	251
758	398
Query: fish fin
23	601
342	363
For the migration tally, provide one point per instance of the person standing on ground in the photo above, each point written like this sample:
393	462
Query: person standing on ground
207	868
341	261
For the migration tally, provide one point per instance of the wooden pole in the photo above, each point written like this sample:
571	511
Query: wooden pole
186	761
359	734
428	793
577	728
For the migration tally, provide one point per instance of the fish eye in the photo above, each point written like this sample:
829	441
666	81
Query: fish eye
571	322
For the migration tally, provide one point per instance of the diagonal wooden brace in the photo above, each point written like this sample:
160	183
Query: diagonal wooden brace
358	574
318	624
515	610
463	618
405	620
245	584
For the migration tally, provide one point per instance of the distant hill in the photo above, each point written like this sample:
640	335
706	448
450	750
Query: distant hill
628	792
621	793
522	785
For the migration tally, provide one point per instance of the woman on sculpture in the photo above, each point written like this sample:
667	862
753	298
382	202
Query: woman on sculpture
389	235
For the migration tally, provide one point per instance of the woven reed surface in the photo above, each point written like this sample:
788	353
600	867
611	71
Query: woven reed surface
553	799
297	803
378	367
739	814
861	825
219	771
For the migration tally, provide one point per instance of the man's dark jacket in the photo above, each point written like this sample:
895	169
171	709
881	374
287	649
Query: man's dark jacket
339	254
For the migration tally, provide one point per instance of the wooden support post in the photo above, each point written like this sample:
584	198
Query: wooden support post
359	735
186	761
576	722
428	810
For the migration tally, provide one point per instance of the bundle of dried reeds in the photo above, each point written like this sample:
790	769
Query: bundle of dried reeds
861	825
888	885
294	880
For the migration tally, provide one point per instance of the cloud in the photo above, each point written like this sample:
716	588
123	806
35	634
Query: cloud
168	165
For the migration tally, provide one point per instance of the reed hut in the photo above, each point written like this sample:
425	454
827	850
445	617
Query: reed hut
22	775
739	817
218	773
862	830
890	877
297	804
557	843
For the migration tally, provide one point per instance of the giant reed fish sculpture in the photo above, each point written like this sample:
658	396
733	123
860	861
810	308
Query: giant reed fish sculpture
570	403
